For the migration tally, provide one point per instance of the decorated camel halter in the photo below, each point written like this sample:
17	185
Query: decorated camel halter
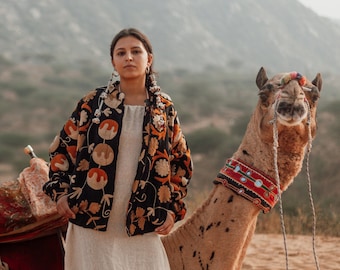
259	188
248	182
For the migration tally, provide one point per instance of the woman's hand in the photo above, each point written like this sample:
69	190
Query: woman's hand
166	227
64	209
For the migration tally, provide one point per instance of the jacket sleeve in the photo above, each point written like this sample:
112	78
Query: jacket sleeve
181	167
62	153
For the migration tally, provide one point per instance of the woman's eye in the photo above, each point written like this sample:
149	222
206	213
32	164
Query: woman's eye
136	51
120	53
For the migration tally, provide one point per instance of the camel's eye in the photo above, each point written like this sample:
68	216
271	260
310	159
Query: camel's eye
265	92
269	86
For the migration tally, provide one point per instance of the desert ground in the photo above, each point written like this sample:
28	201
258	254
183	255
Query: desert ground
267	252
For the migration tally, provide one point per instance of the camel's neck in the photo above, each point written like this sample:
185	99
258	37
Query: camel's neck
257	149
216	236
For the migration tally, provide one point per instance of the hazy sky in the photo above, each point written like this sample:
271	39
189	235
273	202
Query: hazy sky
328	8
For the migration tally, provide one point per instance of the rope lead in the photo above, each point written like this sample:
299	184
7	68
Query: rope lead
277	177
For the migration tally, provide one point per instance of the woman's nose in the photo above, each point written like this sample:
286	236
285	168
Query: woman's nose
128	57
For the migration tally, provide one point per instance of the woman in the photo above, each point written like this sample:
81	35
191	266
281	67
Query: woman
120	167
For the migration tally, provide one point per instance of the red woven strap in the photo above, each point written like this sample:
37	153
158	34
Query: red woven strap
249	183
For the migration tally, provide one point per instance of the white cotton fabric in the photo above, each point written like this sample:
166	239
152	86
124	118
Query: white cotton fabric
87	249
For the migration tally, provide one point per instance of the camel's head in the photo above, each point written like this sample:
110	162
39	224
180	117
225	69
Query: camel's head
291	95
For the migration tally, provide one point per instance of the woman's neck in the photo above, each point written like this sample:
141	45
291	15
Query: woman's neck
135	92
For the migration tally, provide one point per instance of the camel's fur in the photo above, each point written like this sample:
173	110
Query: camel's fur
217	235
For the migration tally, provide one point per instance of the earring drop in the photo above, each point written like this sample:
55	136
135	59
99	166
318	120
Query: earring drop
115	73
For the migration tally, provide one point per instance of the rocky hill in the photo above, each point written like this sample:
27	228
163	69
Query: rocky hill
194	35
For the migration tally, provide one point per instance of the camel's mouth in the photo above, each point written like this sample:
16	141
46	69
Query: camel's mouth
291	114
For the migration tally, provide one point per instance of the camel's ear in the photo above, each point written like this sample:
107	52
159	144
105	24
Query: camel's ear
318	81
261	78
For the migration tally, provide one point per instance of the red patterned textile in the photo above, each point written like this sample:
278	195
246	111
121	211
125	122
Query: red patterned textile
249	183
38	254
29	222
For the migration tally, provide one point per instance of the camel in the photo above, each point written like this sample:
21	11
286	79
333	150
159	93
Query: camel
218	233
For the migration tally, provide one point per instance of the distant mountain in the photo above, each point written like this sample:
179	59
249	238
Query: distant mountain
281	35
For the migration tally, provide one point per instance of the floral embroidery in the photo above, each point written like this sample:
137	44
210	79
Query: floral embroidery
103	154
164	194
153	146
108	129
83	165
158	122
83	160
90	96
162	167
94	207
97	178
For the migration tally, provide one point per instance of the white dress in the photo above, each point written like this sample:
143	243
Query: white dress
87	249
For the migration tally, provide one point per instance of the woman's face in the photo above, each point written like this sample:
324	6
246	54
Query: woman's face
130	58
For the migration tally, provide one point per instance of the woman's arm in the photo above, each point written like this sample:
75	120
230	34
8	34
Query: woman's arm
62	154
181	169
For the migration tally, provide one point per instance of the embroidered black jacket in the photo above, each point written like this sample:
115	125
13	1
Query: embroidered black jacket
83	163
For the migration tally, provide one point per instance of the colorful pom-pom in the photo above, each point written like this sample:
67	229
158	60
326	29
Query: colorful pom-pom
286	78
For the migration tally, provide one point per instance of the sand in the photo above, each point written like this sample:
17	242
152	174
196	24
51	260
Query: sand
267	252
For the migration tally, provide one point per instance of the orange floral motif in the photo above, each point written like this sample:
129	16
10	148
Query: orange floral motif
72	150
80	141
135	186
140	216
153	146
162	167
83	117
146	137
94	207
83	205
90	96
141	223
164	194
96	178
112	101
178	177
140	212
83	165
158	122
71	129
75	209
103	154
108	129
59	163
182	147
132	228
160	134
